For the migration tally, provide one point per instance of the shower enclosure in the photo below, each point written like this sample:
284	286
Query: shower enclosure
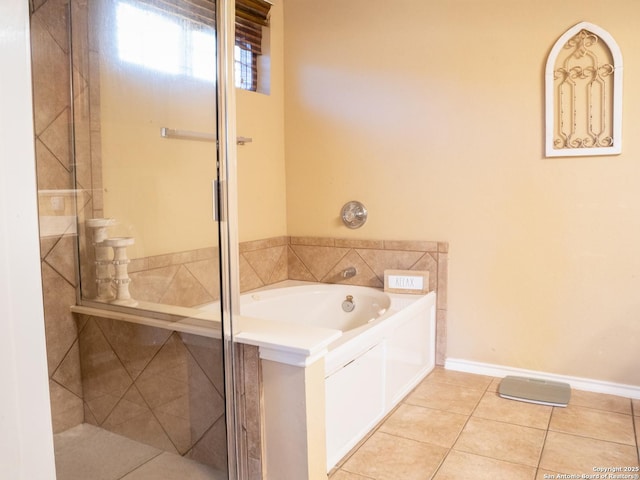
135	158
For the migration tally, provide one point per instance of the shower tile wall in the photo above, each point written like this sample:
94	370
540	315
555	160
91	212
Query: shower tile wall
50	54
185	279
156	386
166	389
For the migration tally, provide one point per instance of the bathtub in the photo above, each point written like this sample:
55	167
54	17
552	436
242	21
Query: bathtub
386	347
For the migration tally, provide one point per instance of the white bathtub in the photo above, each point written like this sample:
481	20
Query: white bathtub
317	305
387	346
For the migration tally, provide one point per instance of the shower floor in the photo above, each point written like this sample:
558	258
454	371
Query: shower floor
87	451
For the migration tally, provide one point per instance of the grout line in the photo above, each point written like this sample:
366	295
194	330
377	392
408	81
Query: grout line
141	465
635	429
544	441
486	389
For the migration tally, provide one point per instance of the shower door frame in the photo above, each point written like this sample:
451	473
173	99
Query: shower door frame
228	226
225	202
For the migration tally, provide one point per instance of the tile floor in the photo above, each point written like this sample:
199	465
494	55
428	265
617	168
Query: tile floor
455	426
452	426
86	452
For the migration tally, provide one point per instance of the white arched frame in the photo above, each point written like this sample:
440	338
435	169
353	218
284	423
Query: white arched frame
583	94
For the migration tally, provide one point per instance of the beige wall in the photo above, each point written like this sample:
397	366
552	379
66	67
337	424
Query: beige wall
158	189
261	167
431	113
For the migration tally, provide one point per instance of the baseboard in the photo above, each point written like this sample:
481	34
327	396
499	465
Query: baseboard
587	384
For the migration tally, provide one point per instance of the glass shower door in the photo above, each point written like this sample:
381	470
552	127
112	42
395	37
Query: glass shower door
151	346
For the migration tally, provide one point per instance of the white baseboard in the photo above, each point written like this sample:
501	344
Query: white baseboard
587	384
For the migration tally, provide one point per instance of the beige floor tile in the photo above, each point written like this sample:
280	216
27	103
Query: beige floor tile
387	457
493	386
637	421
636	406
460	465
546	474
442	396
425	425
571	454
169	466
502	441
493	407
600	401
342	475
452	377
598	424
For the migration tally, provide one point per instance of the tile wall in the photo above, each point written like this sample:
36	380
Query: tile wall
50	54
159	387
184	279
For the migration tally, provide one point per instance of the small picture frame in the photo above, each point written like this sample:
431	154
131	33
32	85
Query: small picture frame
406	281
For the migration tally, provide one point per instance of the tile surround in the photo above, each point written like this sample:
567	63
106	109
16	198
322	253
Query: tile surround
188	278
146	384
129	395
54	164
166	390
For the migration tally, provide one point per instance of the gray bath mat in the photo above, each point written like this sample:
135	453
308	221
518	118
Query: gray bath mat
531	390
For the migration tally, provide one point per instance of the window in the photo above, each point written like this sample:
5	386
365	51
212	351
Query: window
252	16
170	44
179	38
244	60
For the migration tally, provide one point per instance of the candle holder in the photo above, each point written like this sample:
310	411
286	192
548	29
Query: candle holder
120	262
102	261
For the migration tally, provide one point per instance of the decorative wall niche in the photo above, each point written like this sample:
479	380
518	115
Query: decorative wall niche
583	94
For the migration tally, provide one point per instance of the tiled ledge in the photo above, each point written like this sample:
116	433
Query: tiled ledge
291	344
168	317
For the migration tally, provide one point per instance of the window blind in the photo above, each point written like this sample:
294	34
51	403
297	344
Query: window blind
199	11
251	17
